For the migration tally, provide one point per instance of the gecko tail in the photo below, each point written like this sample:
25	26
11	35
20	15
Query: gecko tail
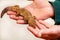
4	11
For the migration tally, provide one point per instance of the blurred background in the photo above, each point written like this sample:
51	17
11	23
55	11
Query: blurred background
9	30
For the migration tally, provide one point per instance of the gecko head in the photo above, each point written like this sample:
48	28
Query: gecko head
9	8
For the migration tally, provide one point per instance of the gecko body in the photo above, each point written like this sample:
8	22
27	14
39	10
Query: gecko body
21	12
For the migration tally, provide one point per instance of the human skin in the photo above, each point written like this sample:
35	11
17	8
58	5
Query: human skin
45	30
41	9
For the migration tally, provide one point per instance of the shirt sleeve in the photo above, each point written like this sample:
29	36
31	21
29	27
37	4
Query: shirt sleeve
56	6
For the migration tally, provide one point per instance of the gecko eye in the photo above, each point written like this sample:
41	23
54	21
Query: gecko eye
15	8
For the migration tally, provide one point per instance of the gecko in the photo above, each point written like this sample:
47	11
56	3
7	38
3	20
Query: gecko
27	16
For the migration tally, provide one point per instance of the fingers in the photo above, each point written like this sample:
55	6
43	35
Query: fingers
19	19
15	17
31	29
40	26
11	13
34	31
47	25
21	22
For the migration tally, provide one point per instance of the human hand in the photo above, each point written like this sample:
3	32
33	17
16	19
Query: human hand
41	9
45	30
